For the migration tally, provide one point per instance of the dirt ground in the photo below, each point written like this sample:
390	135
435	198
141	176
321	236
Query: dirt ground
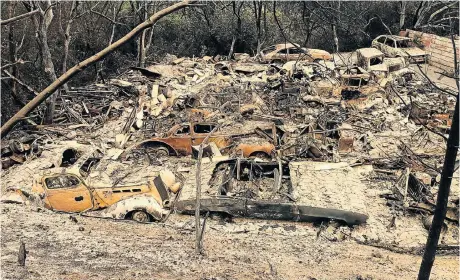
64	246
92	248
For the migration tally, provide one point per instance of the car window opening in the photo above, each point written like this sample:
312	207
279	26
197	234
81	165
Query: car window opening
183	130
69	157
404	44
203	128
390	43
376	61
296	51
283	51
62	182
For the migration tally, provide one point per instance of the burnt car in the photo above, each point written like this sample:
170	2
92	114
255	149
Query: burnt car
69	192
271	190
375	62
397	46
181	138
358	90
289	52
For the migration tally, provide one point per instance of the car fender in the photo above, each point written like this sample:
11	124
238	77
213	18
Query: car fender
248	149
138	144
121	209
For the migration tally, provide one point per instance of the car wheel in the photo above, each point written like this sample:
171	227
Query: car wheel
153	153
261	155
158	151
140	217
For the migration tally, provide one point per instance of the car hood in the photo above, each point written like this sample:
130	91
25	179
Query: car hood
391	61
320	53
378	67
414	51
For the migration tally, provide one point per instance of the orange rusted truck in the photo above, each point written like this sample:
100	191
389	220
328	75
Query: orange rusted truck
181	137
68	192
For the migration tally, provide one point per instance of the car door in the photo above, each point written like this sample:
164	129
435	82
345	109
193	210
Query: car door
379	43
200	131
296	54
67	192
390	47
281	54
181	140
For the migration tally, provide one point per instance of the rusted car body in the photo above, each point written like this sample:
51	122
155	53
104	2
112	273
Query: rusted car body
289	52
397	46
68	192
181	137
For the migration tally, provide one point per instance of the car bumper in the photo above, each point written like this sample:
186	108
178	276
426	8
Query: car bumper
418	59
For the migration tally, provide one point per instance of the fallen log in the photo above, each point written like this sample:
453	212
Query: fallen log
42	96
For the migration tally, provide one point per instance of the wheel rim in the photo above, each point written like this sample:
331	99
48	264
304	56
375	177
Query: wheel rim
140	216
260	155
162	152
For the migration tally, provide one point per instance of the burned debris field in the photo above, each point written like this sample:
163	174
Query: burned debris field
290	162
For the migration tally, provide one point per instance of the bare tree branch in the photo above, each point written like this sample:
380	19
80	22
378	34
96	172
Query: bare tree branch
20	82
20	61
13	19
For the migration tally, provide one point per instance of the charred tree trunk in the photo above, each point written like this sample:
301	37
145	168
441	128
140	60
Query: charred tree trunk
402	14
444	187
34	103
237	37
67	38
334	31
142	45
230	54
12	52
258	17
141	60
42	20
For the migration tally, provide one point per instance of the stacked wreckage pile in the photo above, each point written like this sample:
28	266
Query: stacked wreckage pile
301	141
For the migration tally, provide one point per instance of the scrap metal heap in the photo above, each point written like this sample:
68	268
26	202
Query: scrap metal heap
299	141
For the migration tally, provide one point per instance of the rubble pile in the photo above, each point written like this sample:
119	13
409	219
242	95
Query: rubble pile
272	133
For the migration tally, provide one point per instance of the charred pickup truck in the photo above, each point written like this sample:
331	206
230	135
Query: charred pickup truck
181	138
375	62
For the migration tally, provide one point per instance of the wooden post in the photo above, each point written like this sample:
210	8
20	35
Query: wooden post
198	231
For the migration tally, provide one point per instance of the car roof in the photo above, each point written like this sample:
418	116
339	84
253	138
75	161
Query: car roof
396	38
287	45
370	52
